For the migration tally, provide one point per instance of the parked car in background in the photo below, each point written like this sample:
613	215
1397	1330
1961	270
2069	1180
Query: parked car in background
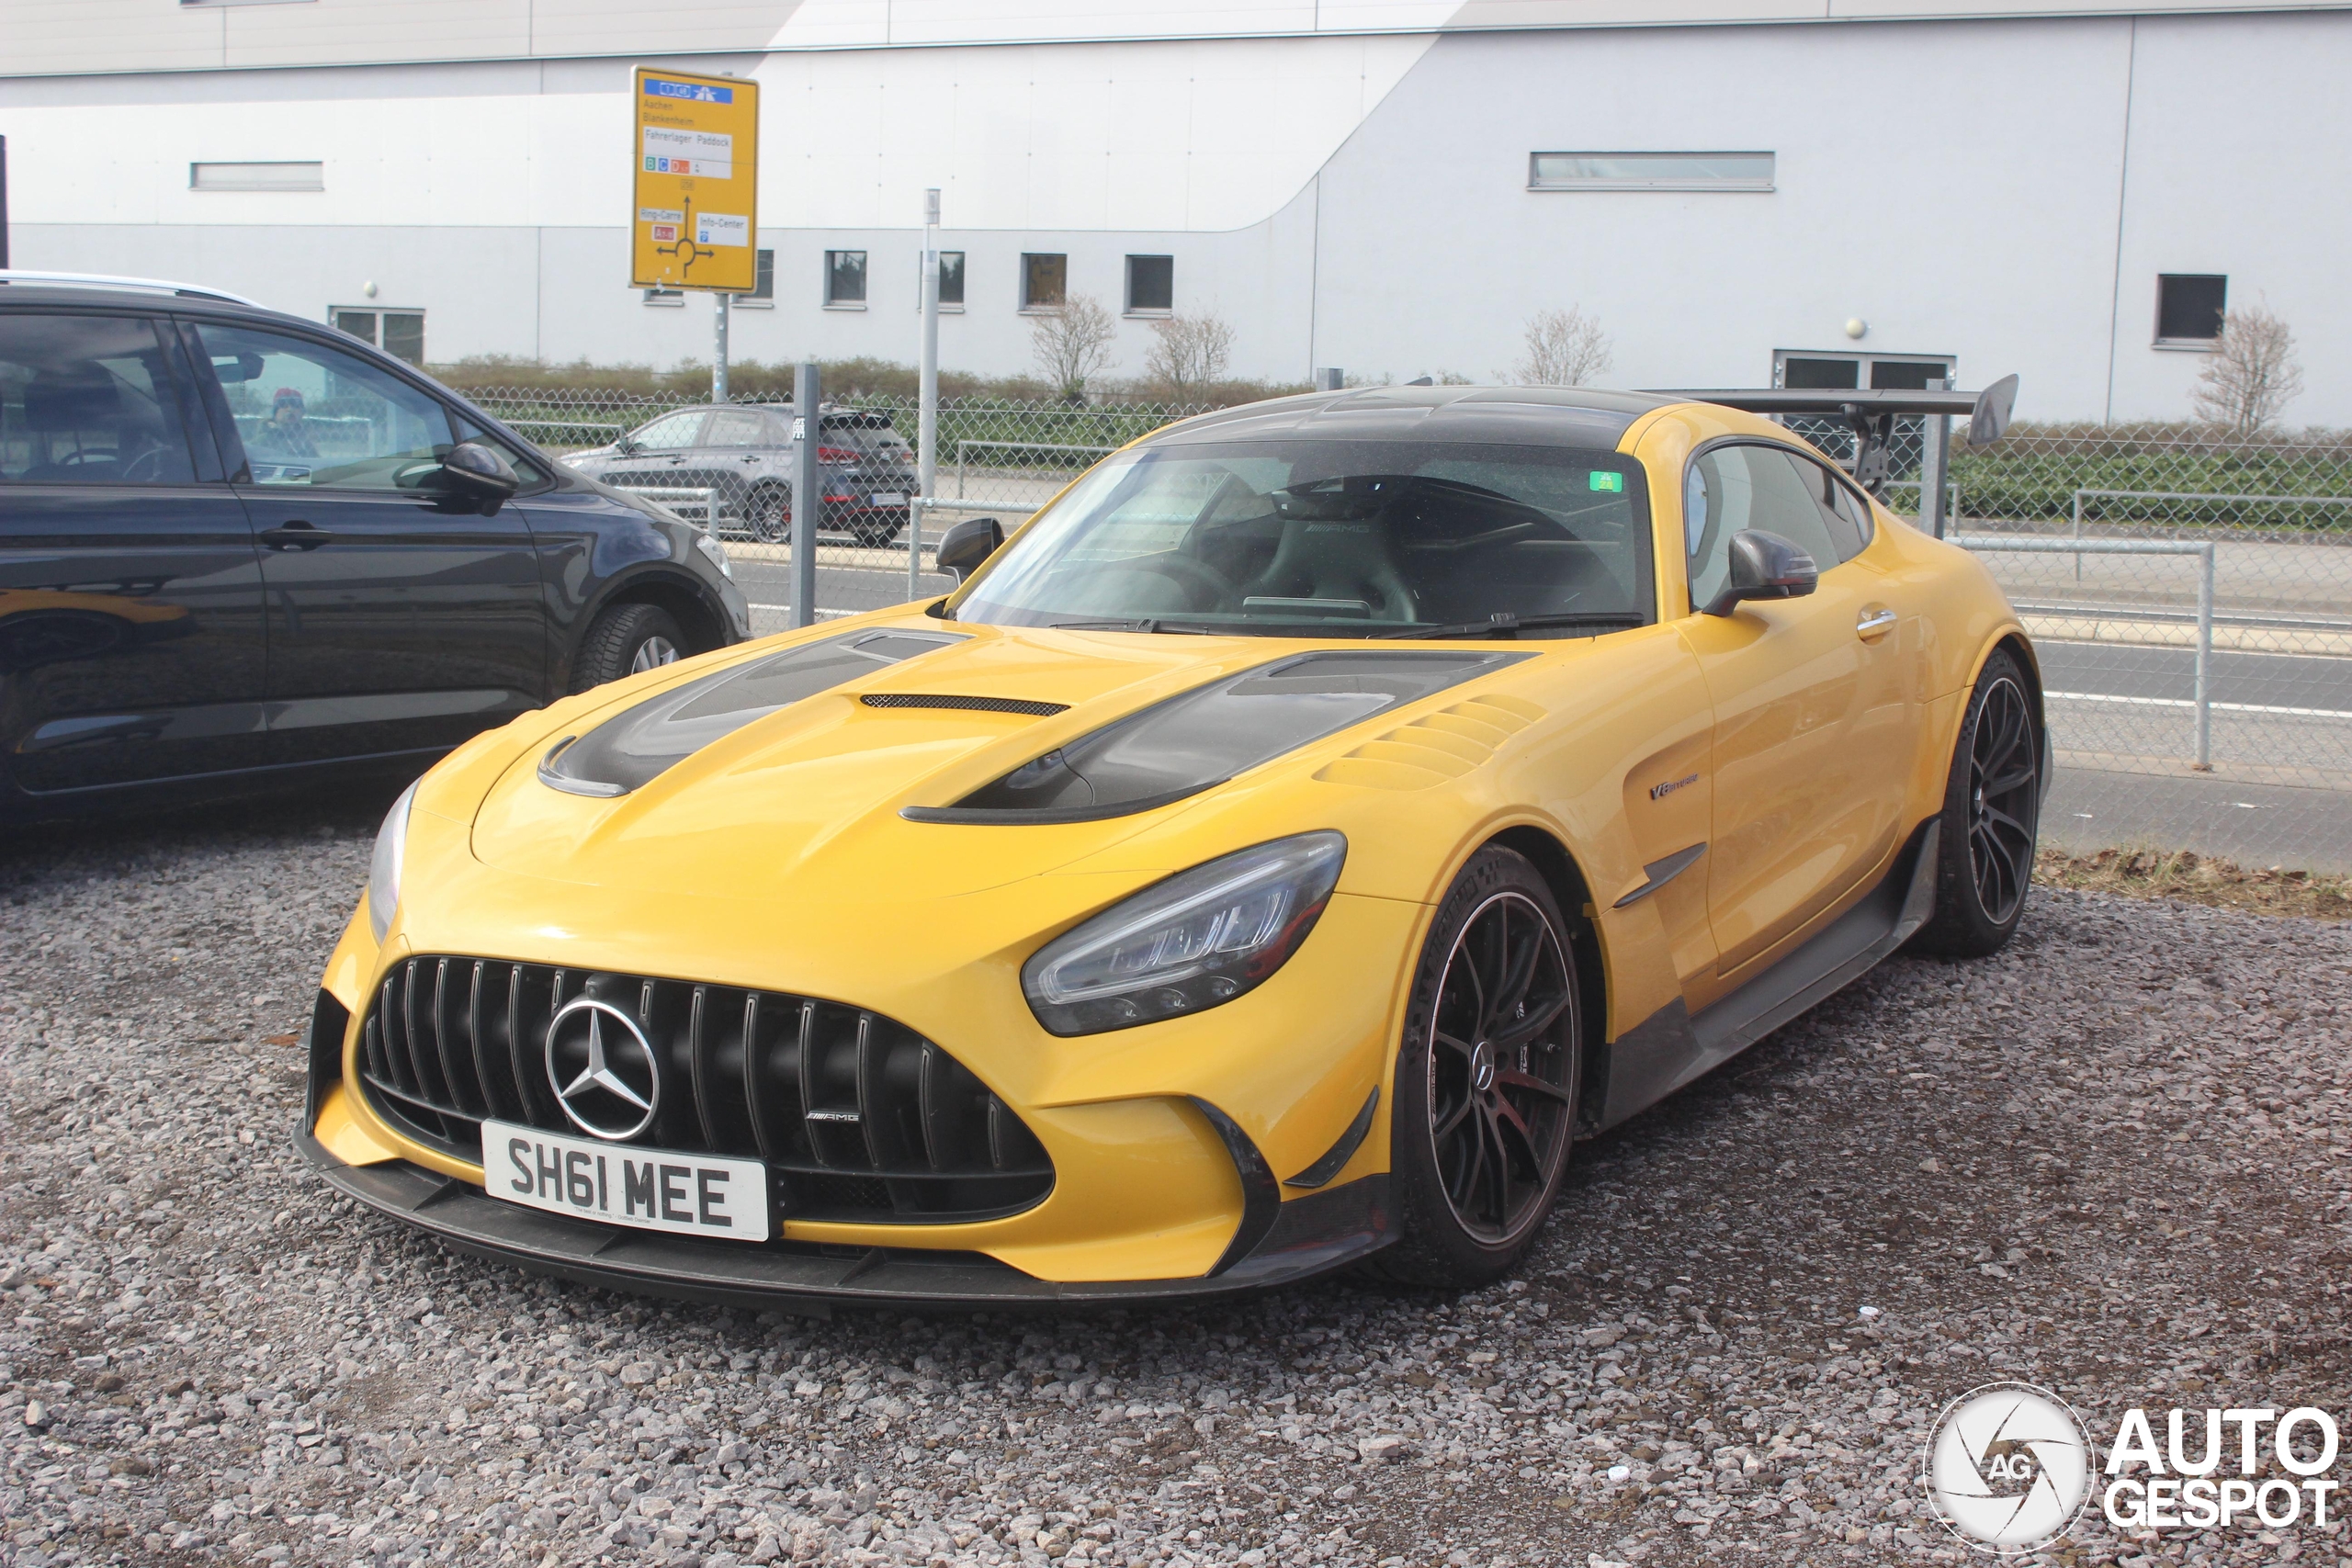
743	454
237	546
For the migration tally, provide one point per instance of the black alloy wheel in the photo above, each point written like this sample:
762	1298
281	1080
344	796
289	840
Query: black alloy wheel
1487	1081
1991	819
2004	773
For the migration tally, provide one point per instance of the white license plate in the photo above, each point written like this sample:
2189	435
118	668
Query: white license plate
890	498
621	1184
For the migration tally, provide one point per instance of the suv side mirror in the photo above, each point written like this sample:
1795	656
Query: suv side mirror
479	474
962	548
628	445
1764	566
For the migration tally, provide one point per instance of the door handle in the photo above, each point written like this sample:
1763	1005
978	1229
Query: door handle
1874	623
296	536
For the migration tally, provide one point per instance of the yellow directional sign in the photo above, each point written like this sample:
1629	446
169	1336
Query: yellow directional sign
696	222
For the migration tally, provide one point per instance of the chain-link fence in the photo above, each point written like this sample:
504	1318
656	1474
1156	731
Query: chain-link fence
996	457
2191	594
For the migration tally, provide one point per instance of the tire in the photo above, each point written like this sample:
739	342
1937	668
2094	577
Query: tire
768	514
1991	817
627	640
1475	1168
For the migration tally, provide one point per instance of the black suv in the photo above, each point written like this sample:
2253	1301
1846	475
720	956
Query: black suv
237	546
743	454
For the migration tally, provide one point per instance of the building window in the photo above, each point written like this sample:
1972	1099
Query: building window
1649	171
951	280
665	296
2190	306
400	333
256	177
1834	372
1044	280
762	294
1151	285
845	280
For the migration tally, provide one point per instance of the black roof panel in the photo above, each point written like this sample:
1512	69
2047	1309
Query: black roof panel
1537	416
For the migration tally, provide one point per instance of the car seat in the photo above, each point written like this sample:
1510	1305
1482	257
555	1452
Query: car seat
1335	560
82	400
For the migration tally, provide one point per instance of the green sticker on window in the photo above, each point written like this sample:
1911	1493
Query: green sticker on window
1610	482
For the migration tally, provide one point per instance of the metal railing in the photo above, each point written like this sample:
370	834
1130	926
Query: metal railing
2203	702
963	449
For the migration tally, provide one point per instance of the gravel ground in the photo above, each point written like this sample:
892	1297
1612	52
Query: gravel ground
2106	1162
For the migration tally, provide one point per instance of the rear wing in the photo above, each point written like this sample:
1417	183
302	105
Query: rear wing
1873	412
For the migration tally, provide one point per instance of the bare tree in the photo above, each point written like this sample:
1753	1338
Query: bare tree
2253	374
1072	342
1189	353
1564	348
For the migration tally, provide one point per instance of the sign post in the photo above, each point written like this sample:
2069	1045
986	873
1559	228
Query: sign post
697	224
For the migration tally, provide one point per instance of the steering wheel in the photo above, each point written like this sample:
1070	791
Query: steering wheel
1197	576
80	457
146	466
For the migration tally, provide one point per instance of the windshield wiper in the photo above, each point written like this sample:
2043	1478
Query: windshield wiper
1147	624
1504	625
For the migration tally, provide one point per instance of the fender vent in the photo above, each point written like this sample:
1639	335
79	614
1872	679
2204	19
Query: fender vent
1433	748
975	705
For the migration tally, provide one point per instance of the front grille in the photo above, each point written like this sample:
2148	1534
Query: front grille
857	1116
975	704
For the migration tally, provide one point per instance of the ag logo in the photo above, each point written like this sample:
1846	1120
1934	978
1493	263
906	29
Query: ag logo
2007	1468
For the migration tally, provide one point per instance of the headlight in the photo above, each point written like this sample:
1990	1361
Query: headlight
1202	937
716	551
384	866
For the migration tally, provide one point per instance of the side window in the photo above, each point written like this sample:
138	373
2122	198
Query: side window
87	399
1848	520
671	432
738	427
1729	489
314	416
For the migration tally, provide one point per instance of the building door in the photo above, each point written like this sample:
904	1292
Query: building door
401	618
132	640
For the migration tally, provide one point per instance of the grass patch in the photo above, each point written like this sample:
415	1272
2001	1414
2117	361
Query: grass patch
2199	879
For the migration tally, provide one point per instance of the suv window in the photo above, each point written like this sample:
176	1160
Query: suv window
1728	489
86	399
740	427
671	432
312	415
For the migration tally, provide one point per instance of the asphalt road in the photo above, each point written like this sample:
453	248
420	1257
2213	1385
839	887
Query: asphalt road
2253	680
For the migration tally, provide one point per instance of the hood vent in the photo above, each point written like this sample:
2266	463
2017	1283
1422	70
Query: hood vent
1202	737
640	743
968	705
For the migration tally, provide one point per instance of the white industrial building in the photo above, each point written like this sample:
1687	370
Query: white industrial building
1393	186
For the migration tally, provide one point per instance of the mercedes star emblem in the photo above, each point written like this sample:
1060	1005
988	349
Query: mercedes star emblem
604	1070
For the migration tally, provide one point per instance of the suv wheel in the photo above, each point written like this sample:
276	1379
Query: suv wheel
627	640
768	514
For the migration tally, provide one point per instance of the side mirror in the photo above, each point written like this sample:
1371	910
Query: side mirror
628	445
1764	566
962	548
477	473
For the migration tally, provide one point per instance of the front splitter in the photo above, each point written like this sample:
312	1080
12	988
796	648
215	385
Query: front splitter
1310	1235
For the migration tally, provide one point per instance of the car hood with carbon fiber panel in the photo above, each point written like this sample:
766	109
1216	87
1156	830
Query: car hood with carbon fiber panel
976	755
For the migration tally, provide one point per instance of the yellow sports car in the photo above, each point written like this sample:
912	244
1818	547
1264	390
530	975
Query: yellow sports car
1270	859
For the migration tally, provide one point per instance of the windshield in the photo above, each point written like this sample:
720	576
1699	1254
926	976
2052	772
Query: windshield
1335	538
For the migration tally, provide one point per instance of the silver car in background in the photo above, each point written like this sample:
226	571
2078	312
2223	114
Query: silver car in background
735	462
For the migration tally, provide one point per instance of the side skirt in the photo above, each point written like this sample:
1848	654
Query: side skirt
1671	1047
